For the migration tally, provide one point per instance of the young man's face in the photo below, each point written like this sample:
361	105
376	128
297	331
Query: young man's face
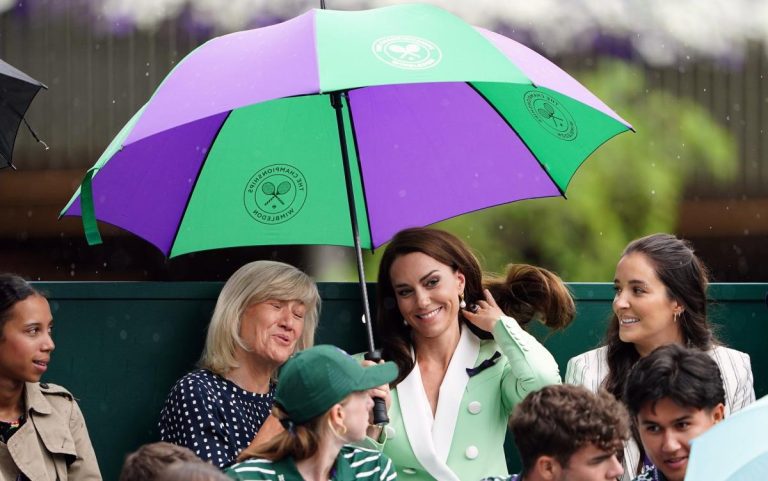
590	463
666	430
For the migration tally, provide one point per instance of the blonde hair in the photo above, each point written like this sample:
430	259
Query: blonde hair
253	283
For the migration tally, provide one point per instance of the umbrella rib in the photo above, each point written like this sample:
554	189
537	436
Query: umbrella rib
490	104
359	168
191	190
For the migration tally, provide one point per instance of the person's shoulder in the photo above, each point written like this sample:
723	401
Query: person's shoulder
252	469
199	379
729	352
54	390
590	357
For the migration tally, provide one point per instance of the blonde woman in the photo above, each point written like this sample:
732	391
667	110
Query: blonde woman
324	402
266	311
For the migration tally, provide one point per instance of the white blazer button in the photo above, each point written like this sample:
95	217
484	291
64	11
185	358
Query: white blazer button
471	452
474	407
408	471
390	432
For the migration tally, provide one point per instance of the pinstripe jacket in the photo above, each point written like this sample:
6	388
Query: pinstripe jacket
590	369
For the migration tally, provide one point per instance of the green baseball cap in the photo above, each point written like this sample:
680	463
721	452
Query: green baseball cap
312	381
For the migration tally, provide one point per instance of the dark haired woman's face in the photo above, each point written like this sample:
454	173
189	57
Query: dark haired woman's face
26	344
427	293
645	313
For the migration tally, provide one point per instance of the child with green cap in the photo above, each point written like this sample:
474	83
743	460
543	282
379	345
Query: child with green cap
323	403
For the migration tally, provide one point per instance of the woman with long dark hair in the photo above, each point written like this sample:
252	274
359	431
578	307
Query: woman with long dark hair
42	429
661	298
463	356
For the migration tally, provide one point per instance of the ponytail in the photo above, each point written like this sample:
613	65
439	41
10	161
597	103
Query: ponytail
300	443
528	292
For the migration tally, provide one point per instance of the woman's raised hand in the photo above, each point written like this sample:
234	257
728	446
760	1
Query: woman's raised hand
485	313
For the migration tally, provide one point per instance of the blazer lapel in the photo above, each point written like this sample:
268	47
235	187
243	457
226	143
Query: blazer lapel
452	391
431	438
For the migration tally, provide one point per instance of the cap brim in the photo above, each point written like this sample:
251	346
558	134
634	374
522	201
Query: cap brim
378	375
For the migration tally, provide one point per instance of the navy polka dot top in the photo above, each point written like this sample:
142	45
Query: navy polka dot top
213	416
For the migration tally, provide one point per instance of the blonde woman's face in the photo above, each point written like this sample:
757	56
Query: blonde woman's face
271	329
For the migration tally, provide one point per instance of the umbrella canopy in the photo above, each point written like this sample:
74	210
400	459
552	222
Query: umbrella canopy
341	128
736	449
240	144
17	90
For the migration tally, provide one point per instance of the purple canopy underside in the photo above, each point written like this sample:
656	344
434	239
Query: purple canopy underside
429	152
235	70
144	187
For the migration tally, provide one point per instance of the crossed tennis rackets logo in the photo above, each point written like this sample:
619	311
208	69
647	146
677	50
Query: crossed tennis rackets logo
275	194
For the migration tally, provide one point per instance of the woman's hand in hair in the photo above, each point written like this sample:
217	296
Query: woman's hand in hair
485	313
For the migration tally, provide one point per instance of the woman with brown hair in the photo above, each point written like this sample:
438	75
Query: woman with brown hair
464	359
660	298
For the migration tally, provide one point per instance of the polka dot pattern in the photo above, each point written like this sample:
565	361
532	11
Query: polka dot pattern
213	416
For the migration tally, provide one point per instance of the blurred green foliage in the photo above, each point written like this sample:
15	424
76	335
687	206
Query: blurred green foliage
632	186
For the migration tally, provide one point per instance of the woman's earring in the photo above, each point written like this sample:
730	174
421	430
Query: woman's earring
462	302
405	323
677	315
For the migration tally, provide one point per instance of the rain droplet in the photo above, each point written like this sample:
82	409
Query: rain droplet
123	334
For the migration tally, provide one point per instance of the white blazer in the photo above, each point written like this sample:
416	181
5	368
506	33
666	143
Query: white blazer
590	369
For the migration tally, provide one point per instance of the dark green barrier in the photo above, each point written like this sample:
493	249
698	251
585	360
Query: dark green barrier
120	346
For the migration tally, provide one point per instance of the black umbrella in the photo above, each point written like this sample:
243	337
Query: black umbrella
17	90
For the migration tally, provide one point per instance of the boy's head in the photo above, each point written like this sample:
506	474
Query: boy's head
567	432
674	394
148	461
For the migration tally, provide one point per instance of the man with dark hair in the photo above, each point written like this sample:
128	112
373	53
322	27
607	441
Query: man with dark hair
147	462
568	433
674	394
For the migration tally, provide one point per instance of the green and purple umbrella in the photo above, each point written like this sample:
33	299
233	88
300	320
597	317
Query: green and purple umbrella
306	131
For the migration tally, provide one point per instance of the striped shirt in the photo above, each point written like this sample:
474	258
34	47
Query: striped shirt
590	369
352	464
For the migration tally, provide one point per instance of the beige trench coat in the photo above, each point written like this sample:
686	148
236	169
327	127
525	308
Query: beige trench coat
53	443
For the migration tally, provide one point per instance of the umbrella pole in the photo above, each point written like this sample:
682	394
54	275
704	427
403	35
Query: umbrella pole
338	106
379	408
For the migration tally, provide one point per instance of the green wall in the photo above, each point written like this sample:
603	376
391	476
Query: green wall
121	345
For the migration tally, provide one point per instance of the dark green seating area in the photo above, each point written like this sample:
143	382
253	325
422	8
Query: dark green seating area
121	345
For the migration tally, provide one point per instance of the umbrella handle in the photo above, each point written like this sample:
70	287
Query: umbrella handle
380	417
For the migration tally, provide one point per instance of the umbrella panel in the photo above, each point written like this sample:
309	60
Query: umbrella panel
274	176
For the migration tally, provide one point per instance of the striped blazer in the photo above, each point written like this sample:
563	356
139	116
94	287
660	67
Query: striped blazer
590	369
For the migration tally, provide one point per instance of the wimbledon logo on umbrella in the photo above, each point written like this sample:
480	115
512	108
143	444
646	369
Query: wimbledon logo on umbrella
407	52
275	193
551	115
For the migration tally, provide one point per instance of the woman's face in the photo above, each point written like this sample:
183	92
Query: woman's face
26	343
272	328
645	313
356	410
427	293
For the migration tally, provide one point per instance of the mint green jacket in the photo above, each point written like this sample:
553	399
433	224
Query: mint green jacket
464	441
